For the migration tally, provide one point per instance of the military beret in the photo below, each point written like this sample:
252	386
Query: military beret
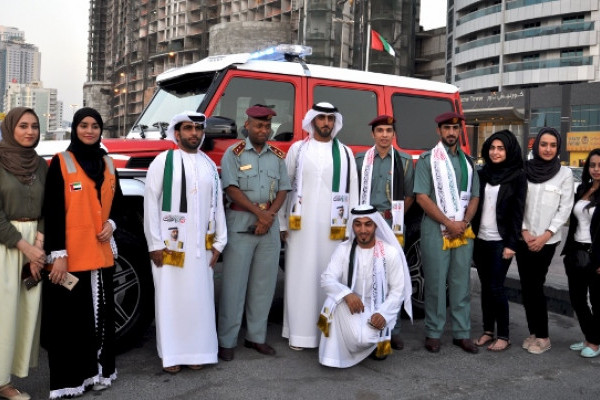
259	111
449	117
382	120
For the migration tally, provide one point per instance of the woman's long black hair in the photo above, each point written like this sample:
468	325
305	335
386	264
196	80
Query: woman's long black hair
587	181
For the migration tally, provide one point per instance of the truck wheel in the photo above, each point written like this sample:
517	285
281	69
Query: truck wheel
134	291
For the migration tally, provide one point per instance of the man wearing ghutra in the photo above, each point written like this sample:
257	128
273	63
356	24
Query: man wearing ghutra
447	189
323	175
366	282
386	178
183	192
256	182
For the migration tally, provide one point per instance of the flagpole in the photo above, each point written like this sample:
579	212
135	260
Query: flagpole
368	45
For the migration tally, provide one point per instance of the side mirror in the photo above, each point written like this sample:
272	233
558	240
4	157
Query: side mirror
220	127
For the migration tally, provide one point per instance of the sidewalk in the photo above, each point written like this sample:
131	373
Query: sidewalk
412	373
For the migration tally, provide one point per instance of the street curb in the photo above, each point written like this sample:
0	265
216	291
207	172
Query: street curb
557	297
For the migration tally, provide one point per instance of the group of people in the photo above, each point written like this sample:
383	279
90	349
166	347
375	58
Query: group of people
345	282
57	221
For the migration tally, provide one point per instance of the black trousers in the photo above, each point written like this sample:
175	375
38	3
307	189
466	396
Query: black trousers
492	269
533	268
581	282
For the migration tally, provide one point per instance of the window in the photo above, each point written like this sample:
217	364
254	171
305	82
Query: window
534	24
531	57
571	53
542	117
415	120
357	107
242	93
585	118
573	18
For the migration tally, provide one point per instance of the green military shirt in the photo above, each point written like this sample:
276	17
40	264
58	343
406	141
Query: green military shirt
259	175
380	178
424	180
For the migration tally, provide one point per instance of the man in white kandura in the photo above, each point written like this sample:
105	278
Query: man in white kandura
183	191
366	282
323	176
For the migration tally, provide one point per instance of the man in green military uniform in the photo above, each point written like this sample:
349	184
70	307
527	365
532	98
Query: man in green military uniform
447	188
386	178
256	182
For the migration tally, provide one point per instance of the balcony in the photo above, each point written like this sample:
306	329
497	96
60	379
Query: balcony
555	63
479	13
524	3
551	30
478	43
494	69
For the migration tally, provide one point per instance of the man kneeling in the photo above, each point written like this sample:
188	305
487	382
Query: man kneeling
366	282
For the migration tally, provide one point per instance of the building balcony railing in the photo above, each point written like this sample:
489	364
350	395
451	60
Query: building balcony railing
479	13
524	3
478	43
551	30
555	63
494	69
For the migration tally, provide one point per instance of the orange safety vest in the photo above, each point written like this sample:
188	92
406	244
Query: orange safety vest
85	215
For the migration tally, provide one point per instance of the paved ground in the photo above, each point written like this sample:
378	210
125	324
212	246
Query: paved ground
412	373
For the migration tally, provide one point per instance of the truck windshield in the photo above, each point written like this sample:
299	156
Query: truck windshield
168	101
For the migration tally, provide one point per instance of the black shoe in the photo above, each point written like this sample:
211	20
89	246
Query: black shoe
397	342
262	348
225	354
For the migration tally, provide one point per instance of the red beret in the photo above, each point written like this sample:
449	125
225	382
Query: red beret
450	117
382	120
259	111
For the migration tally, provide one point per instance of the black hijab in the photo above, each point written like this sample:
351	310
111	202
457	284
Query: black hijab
539	170
496	174
90	157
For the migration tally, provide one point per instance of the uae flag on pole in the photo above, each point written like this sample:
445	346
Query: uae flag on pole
379	43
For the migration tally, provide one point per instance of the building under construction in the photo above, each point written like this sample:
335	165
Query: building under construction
132	41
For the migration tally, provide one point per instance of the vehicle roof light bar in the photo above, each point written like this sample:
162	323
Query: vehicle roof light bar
282	52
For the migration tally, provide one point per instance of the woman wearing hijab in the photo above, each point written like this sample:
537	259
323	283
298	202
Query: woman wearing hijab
82	196
582	257
22	177
547	208
497	225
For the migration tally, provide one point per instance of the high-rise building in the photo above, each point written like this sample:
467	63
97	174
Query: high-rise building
42	100
495	45
132	41
20	62
527	64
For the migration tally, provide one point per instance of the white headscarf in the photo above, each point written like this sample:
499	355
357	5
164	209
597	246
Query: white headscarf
385	234
191	116
326	109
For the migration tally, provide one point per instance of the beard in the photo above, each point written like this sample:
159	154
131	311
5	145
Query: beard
324	132
189	145
449	142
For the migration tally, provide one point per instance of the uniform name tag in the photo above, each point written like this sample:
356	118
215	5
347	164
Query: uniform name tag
245	167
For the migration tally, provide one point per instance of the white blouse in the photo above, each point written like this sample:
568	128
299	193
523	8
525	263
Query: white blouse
488	229
549	204
584	220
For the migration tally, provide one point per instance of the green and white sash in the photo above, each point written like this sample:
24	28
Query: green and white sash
340	189
452	202
174	211
395	195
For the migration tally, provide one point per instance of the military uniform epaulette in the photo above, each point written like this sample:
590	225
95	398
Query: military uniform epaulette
277	151
239	148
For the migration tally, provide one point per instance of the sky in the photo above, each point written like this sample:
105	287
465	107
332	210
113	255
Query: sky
59	28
